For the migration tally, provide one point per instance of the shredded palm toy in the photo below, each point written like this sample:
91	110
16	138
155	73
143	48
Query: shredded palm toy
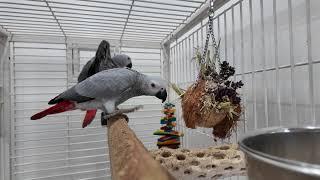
212	101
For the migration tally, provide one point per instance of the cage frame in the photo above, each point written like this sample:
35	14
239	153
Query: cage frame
174	43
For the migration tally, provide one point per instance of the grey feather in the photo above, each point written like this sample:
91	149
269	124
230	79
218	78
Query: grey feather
71	95
118	61
84	72
108	84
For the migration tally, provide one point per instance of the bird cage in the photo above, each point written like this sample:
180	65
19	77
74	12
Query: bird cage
44	44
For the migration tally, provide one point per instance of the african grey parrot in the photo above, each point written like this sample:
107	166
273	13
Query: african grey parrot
103	61
105	91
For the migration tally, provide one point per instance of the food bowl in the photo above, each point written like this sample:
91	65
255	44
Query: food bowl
283	153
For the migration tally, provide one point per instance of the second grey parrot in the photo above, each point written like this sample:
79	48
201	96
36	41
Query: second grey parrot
117	61
105	91
103	61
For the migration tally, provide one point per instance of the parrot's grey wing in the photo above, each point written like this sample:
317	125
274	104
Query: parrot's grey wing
70	95
107	84
84	72
103	50
103	54
107	64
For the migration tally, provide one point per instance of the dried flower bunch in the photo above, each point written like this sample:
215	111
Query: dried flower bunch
212	101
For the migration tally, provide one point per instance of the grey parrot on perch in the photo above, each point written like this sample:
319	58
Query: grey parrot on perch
103	61
105	91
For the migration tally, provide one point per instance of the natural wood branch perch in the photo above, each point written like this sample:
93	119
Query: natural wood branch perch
130	160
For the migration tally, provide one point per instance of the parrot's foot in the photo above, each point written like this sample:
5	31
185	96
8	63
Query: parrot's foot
104	119
105	116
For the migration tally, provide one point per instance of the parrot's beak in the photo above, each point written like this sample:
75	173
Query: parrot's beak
129	65
162	95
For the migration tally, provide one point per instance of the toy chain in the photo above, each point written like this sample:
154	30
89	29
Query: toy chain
210	32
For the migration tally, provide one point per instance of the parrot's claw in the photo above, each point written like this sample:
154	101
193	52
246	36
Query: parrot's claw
105	117
108	116
104	120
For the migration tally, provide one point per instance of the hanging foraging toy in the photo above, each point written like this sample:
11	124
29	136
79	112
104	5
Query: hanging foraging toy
170	138
212	101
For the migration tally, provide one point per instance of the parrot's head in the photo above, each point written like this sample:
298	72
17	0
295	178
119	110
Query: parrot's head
122	60
154	86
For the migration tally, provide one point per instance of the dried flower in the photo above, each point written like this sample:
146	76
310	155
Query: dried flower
236	85
226	70
231	93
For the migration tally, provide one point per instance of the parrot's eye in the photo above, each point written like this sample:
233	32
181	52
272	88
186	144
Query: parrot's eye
153	85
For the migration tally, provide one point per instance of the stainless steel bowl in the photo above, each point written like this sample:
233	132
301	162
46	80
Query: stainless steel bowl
283	153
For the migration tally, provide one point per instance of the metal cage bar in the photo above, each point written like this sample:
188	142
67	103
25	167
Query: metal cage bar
310	67
293	94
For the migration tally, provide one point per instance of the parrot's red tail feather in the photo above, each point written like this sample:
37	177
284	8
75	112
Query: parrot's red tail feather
58	108
89	117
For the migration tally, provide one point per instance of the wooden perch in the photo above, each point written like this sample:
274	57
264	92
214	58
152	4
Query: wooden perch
130	160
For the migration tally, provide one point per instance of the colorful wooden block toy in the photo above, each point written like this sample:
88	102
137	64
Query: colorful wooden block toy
170	137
